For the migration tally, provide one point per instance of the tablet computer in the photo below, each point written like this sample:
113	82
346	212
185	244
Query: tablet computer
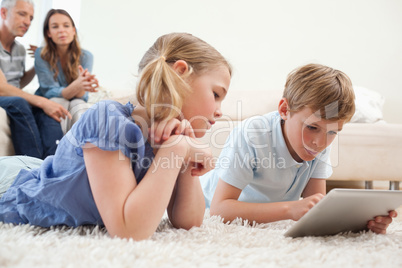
343	210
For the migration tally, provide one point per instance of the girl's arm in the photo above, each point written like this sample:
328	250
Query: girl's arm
187	205
225	204
129	210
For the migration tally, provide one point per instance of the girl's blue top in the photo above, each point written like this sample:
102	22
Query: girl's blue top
58	193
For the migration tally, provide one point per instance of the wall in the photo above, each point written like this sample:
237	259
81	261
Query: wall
264	40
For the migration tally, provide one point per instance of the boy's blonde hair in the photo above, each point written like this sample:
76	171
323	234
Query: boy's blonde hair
322	89
160	85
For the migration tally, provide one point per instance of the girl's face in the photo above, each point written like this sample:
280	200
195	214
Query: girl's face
61	30
203	105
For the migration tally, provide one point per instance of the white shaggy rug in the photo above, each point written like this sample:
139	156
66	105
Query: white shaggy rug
213	244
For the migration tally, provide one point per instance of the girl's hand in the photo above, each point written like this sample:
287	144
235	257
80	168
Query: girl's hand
301	207
380	224
161	131
195	156
199	158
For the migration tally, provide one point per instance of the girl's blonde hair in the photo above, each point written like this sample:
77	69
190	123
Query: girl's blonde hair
49	51
322	89
160	89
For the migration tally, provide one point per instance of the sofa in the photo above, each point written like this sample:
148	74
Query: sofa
362	153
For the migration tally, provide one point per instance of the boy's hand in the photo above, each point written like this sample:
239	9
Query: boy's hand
302	206
380	224
161	131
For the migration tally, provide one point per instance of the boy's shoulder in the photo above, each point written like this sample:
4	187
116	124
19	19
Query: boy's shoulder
258	132
264	123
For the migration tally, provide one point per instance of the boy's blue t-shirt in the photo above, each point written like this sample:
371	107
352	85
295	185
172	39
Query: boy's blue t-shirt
58	193
256	160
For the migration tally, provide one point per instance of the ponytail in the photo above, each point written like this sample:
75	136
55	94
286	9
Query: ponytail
160	89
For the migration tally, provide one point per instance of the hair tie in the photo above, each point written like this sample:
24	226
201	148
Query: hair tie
163	58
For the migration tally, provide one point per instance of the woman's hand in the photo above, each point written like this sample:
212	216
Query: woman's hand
87	81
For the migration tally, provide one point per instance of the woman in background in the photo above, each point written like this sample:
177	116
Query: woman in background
63	68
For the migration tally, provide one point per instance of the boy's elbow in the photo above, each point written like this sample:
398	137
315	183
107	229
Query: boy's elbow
215	210
220	209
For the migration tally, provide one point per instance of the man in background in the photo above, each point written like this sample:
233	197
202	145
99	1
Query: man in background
34	120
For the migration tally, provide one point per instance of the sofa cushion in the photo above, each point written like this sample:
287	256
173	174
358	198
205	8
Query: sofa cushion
239	105
369	106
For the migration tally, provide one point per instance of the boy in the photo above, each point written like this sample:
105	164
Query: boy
270	161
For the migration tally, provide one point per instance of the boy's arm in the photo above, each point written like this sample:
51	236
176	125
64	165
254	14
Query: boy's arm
225	204
315	186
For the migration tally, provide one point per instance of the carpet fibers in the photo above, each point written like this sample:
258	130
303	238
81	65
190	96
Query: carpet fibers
237	244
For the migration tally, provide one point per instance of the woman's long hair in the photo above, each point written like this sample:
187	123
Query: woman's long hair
49	52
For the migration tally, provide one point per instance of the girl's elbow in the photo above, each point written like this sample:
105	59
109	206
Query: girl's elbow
187	225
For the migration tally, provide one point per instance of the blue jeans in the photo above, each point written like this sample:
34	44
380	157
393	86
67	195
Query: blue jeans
33	132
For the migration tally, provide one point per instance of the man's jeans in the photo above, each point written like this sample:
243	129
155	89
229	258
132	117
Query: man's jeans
33	132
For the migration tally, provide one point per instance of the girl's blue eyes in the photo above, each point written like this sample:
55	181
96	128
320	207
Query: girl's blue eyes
216	95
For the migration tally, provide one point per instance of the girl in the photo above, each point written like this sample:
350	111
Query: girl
63	68
106	172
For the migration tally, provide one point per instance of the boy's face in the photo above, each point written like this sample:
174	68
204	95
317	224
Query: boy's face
306	134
